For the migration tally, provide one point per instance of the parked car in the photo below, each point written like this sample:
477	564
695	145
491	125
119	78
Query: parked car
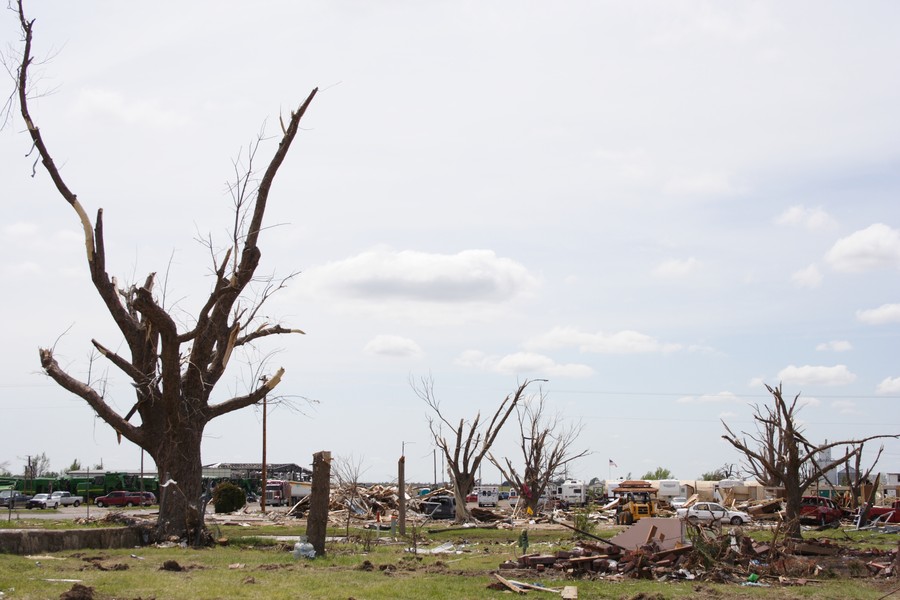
149	498
42	501
713	511
820	511
12	498
120	498
473	497
67	499
677	502
504	495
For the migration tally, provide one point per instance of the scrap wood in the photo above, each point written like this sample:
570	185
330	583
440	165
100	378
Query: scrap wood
691	501
512	586
570	592
537	588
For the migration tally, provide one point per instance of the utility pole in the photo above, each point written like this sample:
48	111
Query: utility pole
262	498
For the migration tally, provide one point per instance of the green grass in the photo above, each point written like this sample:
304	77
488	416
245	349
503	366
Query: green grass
254	565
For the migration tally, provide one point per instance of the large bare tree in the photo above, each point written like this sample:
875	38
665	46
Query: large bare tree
470	441
547	448
779	455
173	370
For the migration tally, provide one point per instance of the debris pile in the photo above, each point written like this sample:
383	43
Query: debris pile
713	555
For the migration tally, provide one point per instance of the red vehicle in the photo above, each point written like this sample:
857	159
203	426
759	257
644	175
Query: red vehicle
120	499
819	510
473	497
889	514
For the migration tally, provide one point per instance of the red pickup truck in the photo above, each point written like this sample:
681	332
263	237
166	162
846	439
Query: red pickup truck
119	499
889	514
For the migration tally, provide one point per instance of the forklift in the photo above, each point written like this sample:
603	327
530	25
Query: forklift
637	500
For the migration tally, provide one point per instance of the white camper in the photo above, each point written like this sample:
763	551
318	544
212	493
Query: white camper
488	495
570	491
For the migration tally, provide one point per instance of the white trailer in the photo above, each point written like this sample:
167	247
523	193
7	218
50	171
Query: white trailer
488	495
570	491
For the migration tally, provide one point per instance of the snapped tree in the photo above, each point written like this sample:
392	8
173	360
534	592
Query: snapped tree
779	455
470	442
173	371
547	444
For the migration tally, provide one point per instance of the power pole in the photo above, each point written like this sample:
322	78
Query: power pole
262	498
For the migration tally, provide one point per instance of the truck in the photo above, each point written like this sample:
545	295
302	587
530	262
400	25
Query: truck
440	507
488	495
570	492
278	492
887	514
67	499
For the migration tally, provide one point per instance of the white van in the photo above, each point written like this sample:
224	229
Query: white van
488	495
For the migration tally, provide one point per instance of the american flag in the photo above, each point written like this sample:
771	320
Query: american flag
613	464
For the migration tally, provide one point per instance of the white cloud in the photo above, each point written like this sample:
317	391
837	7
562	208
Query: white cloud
810	277
20	229
835	346
522	363
394	346
803	401
890	385
875	246
816	375
709	398
23	269
623	342
144	112
707	184
383	274
886	313
845	407
674	268
813	219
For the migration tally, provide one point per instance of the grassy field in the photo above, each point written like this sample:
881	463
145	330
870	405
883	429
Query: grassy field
253	564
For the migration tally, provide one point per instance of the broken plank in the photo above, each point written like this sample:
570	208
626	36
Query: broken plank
538	588
509	584
570	592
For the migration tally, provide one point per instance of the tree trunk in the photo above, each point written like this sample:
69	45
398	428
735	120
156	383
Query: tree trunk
177	457
465	483
317	519
792	497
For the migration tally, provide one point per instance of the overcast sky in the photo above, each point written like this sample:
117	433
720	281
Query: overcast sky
657	207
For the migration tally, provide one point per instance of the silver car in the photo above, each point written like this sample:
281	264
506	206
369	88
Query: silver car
714	512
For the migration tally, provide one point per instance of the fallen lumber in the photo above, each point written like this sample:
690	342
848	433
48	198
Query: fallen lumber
509	584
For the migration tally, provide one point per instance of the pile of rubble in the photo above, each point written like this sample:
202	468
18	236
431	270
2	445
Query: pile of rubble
704	553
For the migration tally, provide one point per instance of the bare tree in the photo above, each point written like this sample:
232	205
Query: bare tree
470	441
779	455
547	447
346	472
172	371
856	477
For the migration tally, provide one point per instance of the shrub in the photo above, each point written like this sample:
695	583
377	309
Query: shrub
228	497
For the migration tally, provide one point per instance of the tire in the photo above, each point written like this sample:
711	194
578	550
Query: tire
129	504
99	504
76	504
737	521
629	518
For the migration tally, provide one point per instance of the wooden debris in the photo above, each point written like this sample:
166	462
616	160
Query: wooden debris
509	584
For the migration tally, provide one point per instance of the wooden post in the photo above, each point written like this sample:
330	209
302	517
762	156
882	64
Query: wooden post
401	493
317	519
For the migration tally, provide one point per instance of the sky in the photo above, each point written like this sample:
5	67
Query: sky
656	207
